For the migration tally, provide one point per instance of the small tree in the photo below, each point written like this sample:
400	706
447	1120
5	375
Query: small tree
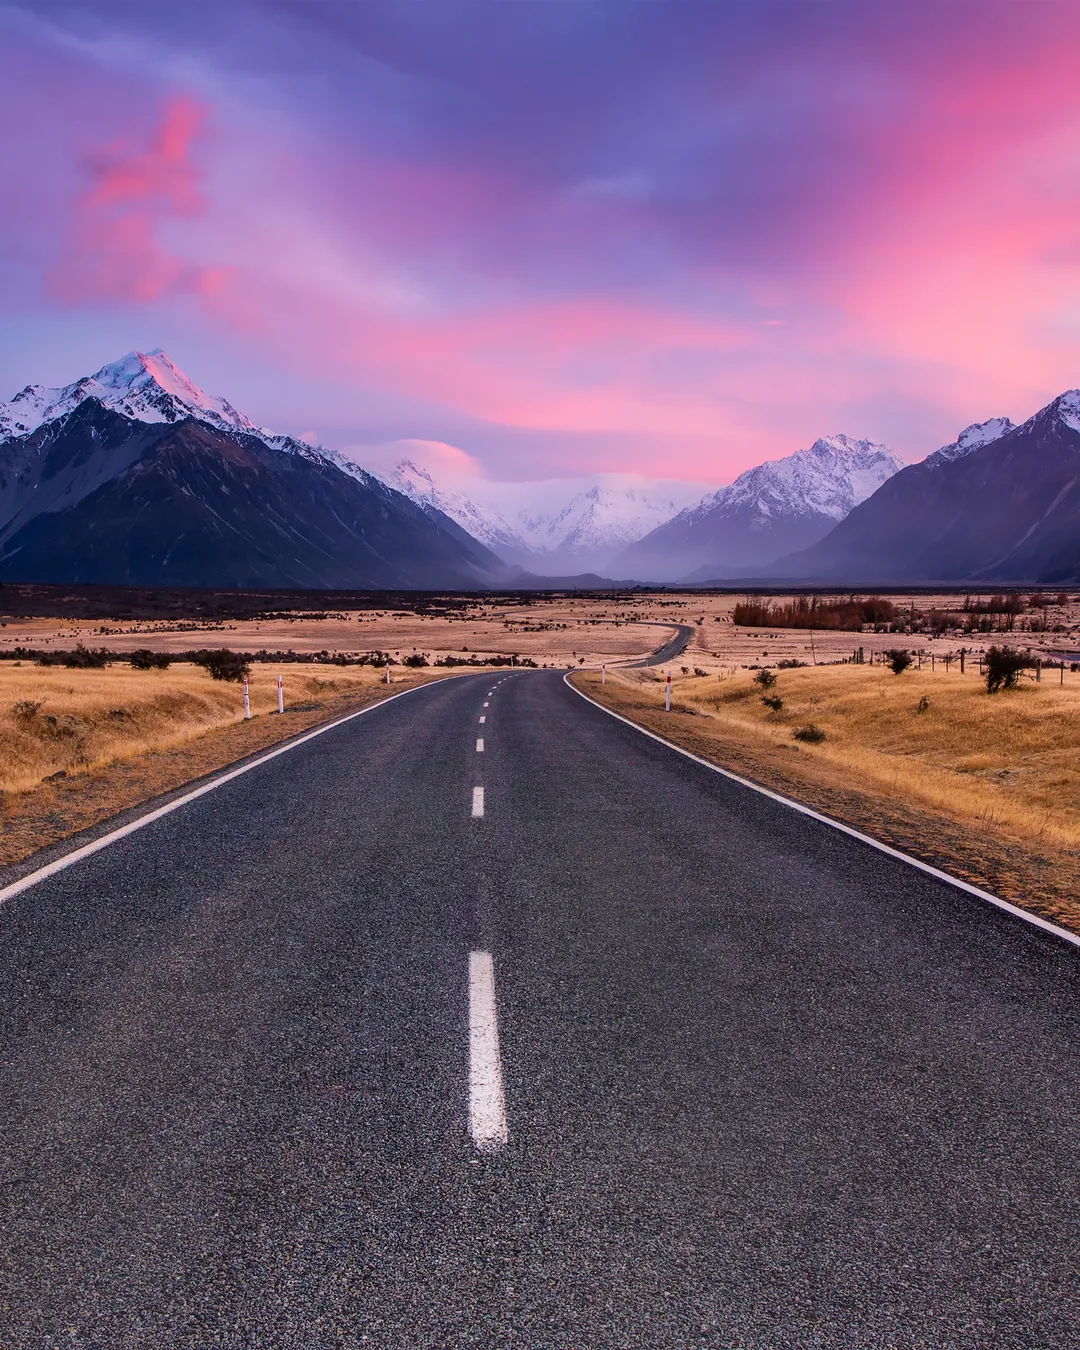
773	702
143	659
765	678
223	664
1004	666
898	659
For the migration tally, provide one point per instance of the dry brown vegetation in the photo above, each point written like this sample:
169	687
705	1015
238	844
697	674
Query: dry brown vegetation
986	785
178	726
61	722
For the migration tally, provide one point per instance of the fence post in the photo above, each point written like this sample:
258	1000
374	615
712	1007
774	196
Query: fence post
280	696
247	702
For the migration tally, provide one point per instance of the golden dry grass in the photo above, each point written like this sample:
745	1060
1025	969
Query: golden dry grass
1010	760
59	721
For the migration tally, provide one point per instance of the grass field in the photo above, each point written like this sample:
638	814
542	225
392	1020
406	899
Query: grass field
1010	759
987	785
55	721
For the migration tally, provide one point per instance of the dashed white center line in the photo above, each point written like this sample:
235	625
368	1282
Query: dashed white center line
487	1100
479	745
485	704
483	719
478	801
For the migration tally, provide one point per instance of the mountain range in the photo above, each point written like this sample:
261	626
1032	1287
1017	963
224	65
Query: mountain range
135	476
559	527
767	510
1001	503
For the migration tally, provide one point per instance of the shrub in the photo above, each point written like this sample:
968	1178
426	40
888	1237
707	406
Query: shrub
148	660
223	664
1004	666
773	702
789	663
699	672
765	678
25	710
810	733
923	705
898	658
416	660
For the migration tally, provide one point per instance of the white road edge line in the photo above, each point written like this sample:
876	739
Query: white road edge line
479	745
477	801
936	872
487	1100
84	851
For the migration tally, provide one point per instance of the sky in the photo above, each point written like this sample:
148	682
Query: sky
558	236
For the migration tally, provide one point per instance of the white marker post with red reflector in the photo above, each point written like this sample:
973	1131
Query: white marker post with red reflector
247	702
667	701
603	672
280	696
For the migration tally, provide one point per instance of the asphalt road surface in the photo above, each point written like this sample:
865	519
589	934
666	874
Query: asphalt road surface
614	1053
669	651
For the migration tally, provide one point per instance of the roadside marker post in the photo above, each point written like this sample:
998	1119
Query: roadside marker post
388	672
603	672
280	696
667	700
247	703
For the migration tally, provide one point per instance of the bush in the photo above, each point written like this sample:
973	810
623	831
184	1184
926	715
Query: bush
416	660
765	678
898	658
223	664
773	702
82	658
810	733
1004	666
148	660
699	672
923	704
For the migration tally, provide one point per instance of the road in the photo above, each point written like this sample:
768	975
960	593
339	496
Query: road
636	1057
668	652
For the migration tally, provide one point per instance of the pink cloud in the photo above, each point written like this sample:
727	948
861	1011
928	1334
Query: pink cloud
115	250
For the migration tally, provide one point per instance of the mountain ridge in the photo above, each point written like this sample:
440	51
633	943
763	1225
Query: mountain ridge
1004	509
802	494
220	501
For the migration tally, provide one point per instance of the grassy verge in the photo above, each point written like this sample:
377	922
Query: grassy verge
986	787
80	746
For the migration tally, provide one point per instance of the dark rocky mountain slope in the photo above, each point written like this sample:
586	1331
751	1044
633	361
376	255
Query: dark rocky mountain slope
1005	509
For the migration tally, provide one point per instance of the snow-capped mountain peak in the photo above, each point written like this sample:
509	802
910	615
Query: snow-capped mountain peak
971	438
559	526
144	386
829	479
1068	408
